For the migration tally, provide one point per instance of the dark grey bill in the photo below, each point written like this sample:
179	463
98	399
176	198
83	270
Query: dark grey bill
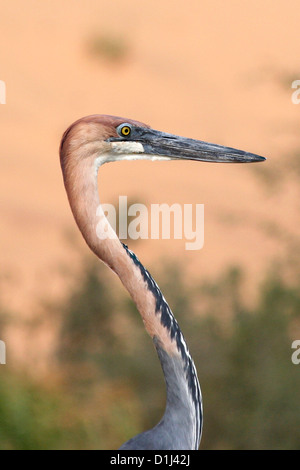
173	146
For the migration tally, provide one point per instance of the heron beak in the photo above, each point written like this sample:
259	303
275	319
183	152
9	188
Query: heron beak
160	144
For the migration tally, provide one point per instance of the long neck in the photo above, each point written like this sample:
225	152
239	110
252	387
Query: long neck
184	406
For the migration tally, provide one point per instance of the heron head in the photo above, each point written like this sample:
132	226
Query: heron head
110	138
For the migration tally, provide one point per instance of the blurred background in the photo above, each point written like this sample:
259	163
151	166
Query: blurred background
81	371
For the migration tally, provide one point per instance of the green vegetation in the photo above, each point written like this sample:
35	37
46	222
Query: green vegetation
111	386
32	417
108	47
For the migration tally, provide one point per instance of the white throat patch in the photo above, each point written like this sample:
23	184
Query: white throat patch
126	151
127	147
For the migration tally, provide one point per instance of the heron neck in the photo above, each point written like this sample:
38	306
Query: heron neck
183	412
81	186
183	393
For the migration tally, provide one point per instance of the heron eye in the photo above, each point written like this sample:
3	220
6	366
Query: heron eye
125	131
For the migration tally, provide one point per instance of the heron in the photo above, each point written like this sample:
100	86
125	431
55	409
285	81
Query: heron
86	145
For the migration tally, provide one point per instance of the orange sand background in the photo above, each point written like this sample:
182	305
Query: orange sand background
208	69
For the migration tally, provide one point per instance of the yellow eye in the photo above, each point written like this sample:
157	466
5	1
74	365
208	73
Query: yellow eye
125	131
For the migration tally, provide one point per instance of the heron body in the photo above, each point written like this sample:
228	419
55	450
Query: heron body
86	145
